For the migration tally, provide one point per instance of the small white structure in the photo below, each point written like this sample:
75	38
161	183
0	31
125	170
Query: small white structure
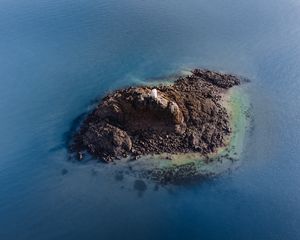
172	107
154	93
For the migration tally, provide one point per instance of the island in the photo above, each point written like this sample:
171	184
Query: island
186	117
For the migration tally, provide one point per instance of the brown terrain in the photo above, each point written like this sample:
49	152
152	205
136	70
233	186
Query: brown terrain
187	116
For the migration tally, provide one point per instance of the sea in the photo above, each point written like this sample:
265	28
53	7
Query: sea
57	57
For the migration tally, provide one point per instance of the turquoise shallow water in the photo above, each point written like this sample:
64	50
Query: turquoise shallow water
56	57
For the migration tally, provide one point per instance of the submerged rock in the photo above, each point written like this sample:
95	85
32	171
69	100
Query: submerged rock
187	116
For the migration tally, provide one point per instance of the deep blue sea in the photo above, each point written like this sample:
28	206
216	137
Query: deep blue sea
58	56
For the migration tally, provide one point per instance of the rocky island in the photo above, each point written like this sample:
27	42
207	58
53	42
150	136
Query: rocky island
188	116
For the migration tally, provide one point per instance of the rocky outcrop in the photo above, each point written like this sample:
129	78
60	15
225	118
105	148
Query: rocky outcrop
218	79
184	117
107	140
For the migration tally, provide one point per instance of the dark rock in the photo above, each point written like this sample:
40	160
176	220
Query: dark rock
140	186
64	171
174	174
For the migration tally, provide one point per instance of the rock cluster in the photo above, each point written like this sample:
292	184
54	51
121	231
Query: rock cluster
185	117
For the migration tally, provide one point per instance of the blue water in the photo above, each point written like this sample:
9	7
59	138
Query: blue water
57	57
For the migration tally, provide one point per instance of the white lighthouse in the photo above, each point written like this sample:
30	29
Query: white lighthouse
154	93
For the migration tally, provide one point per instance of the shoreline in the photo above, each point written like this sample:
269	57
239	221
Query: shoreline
224	159
192	127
